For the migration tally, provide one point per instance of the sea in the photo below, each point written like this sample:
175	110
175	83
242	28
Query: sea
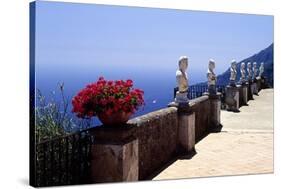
158	87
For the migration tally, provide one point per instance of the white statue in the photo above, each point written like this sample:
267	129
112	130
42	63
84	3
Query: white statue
261	69
211	76
255	70
233	73
249	69
243	73
182	80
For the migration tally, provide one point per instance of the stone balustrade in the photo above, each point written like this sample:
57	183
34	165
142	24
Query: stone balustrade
139	149
239	95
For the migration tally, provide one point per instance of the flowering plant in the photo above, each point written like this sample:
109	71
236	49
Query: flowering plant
107	97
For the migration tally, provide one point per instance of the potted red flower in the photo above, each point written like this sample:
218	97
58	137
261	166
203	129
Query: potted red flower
113	102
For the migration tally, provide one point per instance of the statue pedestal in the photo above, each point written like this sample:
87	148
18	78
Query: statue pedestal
114	155
244	94
186	125
186	121
215	109
255	88
263	82
250	92
240	89
258	84
181	97
212	90
232	83
232	98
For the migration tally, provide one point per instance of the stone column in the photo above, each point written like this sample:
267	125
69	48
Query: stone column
250	93
245	94
258	84
186	131
240	89
253	86
255	89
114	154
215	109
232	98
263	82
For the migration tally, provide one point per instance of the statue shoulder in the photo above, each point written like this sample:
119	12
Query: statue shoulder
178	73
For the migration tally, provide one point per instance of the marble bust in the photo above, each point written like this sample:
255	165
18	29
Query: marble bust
261	69
249	69
182	80
233	73
255	70
243	73
211	76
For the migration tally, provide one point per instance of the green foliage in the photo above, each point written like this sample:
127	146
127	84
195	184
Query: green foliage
53	117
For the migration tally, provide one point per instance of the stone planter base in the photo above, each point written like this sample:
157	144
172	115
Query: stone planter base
114	155
115	119
114	162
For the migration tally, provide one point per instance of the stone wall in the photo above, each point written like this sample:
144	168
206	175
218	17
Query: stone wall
157	136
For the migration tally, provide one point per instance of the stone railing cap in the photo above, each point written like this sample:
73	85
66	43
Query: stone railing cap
198	100
138	121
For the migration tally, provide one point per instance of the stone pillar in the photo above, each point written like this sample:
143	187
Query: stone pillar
253	85
114	154
255	89
232	98
263	82
245	94
240	89
215	109
186	132
250	93
258	84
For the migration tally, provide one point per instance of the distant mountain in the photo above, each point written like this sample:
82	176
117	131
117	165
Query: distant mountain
265	56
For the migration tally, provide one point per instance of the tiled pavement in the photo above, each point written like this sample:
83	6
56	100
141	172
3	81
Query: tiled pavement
234	151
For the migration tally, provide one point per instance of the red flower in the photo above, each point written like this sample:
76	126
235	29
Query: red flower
107	97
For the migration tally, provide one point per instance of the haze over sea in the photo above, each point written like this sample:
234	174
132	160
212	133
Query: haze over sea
77	43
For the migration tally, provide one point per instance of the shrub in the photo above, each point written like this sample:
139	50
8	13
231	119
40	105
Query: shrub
53	118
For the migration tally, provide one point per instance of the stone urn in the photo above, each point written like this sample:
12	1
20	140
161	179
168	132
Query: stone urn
115	119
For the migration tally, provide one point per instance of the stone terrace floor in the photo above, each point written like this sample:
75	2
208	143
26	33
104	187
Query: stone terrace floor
244	146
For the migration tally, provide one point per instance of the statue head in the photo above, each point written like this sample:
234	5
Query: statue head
211	64
262	64
249	65
242	65
183	63
233	64
254	64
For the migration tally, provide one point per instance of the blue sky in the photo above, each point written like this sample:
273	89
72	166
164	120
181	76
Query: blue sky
110	40
77	43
